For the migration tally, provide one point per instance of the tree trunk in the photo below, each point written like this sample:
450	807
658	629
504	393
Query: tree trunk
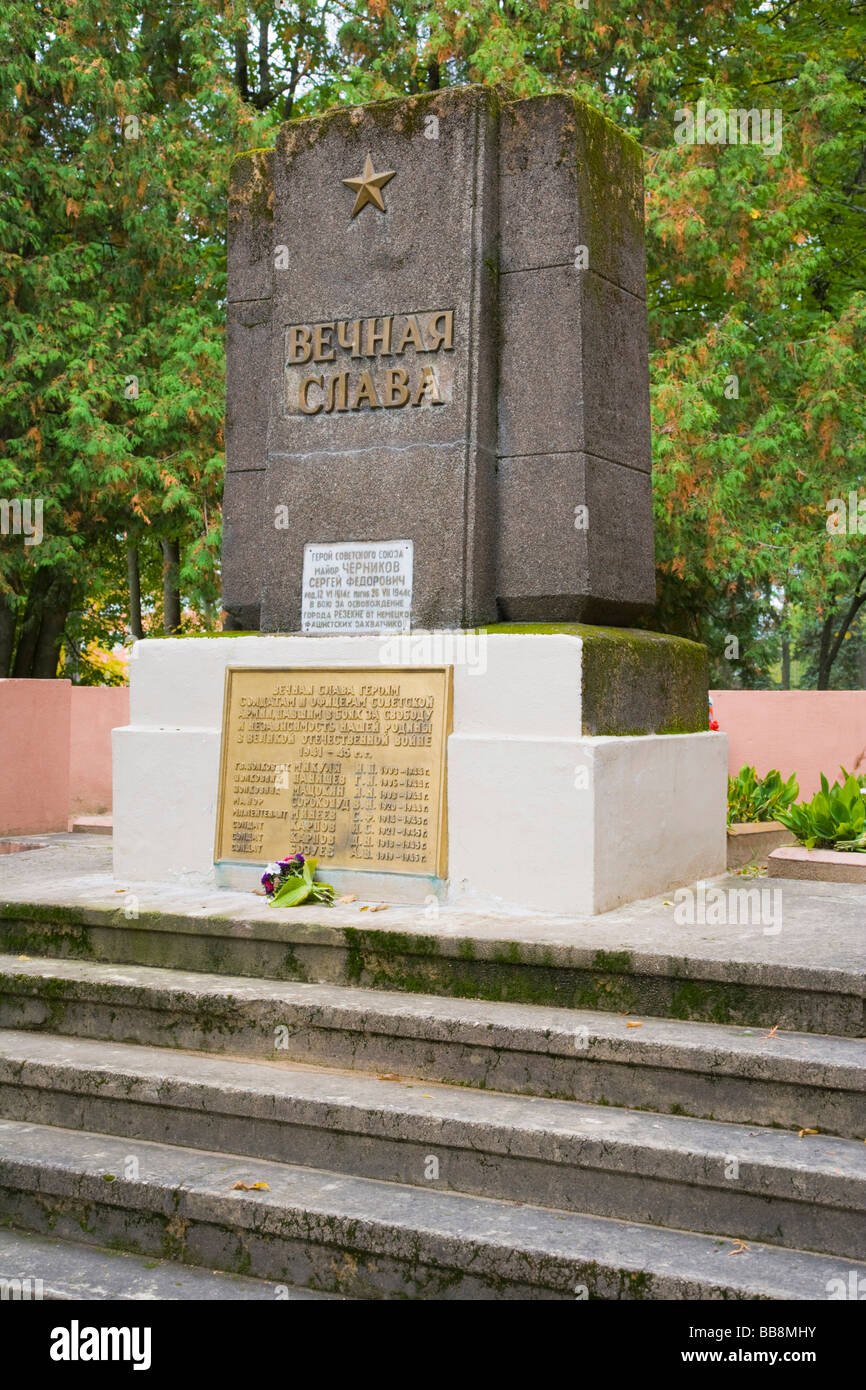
287	103
241	64
830	650
7	635
28	637
44	621
134	581
55	611
433	75
170	589
824	654
786	663
264	92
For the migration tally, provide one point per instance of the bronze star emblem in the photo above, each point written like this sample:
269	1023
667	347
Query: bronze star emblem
368	187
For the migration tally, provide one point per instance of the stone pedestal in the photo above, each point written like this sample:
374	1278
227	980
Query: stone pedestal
457	361
579	771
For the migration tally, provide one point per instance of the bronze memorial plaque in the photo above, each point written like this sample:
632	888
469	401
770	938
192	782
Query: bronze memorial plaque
342	764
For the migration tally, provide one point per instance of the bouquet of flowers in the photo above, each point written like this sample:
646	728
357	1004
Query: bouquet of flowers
290	882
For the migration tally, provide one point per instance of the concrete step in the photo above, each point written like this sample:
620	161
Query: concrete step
802	972
711	1071
41	1267
371	1239
91	825
760	1184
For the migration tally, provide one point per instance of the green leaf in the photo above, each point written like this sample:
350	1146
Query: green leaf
292	893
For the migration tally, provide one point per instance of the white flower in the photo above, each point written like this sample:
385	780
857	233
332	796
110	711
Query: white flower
272	869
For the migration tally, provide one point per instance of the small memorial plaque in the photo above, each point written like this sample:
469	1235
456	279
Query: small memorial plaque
344	765
357	586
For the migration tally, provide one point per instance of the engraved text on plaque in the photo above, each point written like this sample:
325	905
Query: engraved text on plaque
340	764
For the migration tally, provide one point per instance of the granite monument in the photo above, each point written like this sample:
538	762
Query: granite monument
437	400
437	427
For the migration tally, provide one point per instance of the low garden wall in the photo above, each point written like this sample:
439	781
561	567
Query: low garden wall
95	711
802	731
55	752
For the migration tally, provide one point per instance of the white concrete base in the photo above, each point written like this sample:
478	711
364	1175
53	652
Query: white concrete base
540	818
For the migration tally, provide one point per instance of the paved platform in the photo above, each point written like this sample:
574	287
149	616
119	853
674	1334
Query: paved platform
823	925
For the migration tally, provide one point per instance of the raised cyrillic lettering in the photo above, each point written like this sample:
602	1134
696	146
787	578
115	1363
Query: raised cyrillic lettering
396	387
323	348
371	337
428	388
411	334
298	347
302	395
337	389
353	341
366	392
444	337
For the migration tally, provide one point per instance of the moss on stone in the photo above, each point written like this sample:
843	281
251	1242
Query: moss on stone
614	166
404	113
634	682
55	995
292	966
56	912
251	192
223	632
390	943
614	962
509	954
47	939
257	149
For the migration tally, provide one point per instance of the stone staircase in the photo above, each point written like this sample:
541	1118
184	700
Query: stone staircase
417	1145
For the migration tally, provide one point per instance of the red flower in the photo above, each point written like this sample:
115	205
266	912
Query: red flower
714	724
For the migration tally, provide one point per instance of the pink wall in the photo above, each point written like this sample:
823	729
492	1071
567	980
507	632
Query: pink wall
34	756
96	710
55	752
802	731
55	743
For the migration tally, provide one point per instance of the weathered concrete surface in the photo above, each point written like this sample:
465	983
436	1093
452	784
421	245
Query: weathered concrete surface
667	1171
71	1272
370	1239
705	1070
809	976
